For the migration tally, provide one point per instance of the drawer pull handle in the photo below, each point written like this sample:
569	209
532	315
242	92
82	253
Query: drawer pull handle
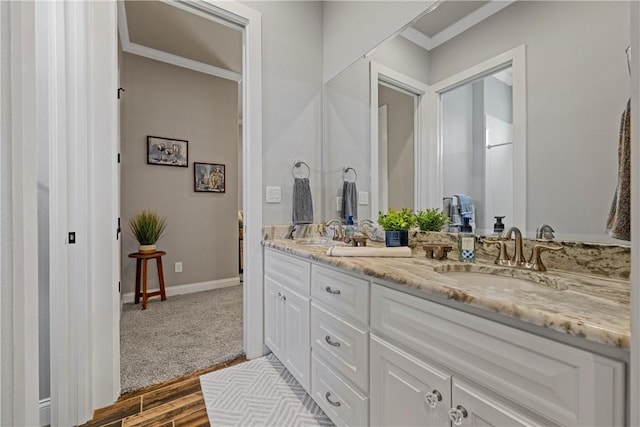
457	415
433	398
336	403
332	291
335	344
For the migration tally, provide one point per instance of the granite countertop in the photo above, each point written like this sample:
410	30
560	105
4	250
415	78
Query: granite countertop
596	308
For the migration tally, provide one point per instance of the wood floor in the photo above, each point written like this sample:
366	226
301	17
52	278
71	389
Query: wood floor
174	403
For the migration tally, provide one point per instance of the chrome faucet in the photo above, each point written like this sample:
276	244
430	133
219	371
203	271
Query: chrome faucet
338	233
544	232
518	261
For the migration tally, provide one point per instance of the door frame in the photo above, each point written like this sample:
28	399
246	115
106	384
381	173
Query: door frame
394	79
85	318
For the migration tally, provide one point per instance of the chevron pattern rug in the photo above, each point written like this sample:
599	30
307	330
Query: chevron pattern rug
260	392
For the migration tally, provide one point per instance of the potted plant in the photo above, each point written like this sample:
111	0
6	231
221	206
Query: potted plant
396	224
147	227
432	219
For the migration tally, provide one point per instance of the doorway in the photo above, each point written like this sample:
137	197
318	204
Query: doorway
179	75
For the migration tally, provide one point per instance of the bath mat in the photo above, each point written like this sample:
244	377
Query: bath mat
260	392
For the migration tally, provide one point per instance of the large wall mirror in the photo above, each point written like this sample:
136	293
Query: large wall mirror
575	85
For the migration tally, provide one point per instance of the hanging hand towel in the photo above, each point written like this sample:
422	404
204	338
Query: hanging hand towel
349	200
302	203
619	221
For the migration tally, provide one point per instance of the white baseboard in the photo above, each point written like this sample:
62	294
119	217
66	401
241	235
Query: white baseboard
189	288
45	412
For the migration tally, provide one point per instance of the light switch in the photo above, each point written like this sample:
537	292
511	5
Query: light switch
339	204
363	197
273	194
178	268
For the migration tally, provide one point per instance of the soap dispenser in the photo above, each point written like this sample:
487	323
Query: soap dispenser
466	242
350	228
498	227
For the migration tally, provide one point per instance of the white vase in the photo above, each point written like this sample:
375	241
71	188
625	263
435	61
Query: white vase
147	249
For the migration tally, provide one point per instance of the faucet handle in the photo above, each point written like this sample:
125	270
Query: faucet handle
503	257
536	260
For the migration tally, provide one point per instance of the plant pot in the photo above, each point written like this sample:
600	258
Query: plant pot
396	238
147	249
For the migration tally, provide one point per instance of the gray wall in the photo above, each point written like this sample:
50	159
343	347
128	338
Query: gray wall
577	86
404	57
353	28
291	100
400	110
169	101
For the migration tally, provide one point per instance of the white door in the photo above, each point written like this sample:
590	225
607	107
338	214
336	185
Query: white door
297	336
273	316
406	391
473	406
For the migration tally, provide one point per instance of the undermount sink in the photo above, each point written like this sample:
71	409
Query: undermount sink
319	241
502	277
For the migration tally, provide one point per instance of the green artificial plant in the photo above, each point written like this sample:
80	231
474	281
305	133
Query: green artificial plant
147	227
397	220
433	219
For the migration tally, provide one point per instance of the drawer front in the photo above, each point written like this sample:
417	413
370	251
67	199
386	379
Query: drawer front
341	293
287	270
552	379
342	344
344	405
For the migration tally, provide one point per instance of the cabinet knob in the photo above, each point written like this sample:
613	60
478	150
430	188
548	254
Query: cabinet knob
333	403
332	291
333	343
457	415
284	298
433	398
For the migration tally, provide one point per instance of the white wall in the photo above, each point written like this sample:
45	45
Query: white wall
353	28
292	100
577	86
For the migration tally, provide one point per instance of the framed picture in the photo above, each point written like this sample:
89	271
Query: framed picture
208	178
167	152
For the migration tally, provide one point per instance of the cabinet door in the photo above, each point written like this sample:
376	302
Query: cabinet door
406	391
273	324
297	335
475	406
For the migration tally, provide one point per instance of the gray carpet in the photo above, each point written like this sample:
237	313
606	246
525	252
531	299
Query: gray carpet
183	334
260	392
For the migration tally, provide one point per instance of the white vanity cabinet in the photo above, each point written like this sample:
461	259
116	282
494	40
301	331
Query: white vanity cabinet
287	311
369	354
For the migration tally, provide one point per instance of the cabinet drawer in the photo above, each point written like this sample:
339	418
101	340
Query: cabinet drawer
340	292
552	379
287	270
342	344
344	405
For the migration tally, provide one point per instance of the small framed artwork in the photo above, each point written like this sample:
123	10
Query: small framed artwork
208	178
167	152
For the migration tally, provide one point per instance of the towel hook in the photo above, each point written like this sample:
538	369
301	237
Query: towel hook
298	164
628	52
345	171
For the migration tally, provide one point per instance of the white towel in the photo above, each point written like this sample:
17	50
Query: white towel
397	252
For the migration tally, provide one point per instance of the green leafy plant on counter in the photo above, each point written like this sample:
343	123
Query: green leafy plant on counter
432	219
397	220
147	227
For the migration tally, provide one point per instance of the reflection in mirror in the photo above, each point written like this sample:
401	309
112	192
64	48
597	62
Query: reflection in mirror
477	150
576	82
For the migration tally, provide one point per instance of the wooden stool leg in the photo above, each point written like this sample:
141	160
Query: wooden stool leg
144	284
138	272
163	296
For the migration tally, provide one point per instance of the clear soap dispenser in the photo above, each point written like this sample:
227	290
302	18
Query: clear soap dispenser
466	242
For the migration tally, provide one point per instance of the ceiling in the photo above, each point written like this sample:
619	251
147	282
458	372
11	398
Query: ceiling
446	14
166	28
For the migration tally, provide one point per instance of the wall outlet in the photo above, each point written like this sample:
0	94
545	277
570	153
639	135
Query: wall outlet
339	204
178	267
274	194
363	197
